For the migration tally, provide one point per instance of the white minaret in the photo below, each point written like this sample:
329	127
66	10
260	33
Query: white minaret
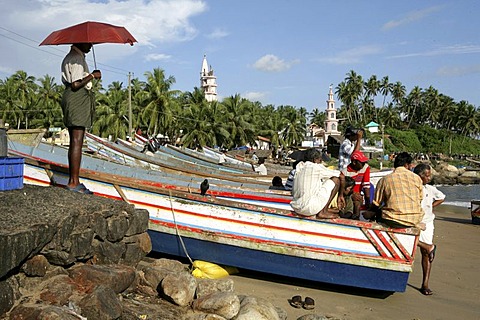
208	82
331	124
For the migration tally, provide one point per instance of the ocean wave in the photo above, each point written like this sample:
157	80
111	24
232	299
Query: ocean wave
462	204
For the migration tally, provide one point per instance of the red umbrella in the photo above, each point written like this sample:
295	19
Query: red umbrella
90	32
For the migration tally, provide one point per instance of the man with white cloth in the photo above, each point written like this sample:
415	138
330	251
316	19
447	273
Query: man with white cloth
315	186
432	197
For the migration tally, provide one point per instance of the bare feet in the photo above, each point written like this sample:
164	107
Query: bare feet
327	215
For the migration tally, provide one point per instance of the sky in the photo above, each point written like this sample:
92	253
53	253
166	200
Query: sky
273	51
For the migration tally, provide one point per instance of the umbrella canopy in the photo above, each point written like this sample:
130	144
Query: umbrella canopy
90	32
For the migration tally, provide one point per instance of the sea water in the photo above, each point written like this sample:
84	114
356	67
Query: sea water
460	195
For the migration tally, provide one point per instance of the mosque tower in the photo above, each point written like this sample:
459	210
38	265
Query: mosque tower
208	82
331	124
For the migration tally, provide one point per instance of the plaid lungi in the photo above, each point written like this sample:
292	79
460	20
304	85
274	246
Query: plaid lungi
78	107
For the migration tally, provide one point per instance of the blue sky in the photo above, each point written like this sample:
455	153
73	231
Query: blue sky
275	51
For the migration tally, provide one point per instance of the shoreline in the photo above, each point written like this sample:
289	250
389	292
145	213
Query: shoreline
453	280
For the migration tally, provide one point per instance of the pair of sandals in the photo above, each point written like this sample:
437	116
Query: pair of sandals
296	302
80	189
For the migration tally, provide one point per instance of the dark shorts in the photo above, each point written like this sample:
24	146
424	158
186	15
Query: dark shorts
78	107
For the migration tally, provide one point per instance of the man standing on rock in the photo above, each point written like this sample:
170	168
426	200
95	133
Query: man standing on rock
78	106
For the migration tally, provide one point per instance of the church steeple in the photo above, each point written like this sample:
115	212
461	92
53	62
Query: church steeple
208	81
331	124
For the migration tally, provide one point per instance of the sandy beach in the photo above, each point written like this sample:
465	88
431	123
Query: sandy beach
454	280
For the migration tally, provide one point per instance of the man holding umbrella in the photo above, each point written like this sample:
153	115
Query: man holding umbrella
78	105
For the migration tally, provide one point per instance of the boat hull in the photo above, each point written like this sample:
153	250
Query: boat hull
279	264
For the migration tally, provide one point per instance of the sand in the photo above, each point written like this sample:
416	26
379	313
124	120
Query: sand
454	279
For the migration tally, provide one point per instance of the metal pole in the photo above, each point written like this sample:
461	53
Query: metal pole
383	147
129	108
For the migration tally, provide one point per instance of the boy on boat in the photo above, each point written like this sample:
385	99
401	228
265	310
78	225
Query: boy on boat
315	187
359	170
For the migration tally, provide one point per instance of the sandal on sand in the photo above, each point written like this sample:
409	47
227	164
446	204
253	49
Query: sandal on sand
80	189
426	291
309	303
431	254
296	301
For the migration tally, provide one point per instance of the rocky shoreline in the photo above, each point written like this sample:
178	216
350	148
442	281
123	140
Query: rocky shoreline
71	256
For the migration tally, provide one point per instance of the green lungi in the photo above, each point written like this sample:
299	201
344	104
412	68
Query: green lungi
78	107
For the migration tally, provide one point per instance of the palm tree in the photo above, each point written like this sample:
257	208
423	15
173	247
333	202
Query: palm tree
49	97
295	128
372	86
414	100
25	88
159	99
318	117
238	120
111	112
386	88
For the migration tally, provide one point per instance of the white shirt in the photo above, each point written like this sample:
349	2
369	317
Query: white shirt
261	169
309	180
74	67
430	194
222	158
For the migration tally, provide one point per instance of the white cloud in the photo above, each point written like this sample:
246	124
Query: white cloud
255	96
354	55
411	17
272	63
450	71
153	23
217	34
157	57
447	50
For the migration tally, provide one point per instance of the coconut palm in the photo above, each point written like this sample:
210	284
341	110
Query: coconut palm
238	121
159	101
111	113
49	111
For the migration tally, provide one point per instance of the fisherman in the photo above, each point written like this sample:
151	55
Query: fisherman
315	187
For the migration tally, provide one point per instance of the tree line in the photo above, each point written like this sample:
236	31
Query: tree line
235	121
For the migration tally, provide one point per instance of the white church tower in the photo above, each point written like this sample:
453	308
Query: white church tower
208	82
331	124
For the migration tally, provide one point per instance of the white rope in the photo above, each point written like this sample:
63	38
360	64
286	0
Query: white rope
176	228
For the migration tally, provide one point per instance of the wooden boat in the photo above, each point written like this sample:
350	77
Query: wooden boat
276	241
244	192
130	156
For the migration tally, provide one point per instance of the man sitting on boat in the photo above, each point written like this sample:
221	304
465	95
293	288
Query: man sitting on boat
348	211
261	169
399	196
315	187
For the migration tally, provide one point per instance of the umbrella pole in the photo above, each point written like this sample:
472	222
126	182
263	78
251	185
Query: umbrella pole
94	60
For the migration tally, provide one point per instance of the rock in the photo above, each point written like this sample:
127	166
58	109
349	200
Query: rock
256	308
180	288
469	177
102	303
36	266
33	312
208	286
313	317
58	290
137	222
117	226
116	277
204	316
225	304
9	292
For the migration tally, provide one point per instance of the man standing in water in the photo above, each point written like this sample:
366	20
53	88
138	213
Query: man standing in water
78	106
432	197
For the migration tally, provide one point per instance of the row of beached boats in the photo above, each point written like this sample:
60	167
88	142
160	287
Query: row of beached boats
239	222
